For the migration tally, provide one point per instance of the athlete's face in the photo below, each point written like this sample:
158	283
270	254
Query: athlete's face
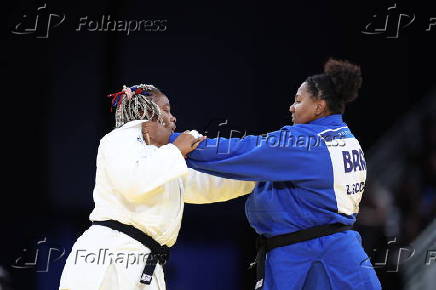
164	105
305	108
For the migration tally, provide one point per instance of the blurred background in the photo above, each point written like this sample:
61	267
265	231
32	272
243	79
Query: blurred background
240	63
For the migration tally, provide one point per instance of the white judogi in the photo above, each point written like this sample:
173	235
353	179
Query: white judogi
144	186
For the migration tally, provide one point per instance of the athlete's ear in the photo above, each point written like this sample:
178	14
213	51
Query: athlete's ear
320	106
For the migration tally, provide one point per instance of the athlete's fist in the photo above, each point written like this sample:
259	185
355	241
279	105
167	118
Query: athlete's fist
186	142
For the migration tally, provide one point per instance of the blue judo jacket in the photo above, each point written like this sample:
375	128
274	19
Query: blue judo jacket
307	174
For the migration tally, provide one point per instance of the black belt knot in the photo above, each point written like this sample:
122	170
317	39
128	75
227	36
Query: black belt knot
158	254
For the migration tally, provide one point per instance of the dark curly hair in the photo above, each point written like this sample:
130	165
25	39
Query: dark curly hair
338	85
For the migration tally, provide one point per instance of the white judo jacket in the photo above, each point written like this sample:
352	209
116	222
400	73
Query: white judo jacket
146	186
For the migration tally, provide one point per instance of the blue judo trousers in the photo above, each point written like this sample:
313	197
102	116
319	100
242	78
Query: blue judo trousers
306	175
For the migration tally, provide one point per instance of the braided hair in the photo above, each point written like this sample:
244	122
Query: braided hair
135	103
338	85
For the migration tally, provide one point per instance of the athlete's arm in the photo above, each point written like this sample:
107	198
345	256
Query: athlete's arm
204	188
255	158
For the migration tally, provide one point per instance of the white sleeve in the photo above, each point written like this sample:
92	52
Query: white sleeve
134	172
205	188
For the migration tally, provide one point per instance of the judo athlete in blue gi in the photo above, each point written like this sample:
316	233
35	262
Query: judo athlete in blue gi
310	179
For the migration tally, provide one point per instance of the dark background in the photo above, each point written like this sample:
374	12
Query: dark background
239	61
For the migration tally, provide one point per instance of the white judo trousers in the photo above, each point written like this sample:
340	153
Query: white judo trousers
106	259
146	187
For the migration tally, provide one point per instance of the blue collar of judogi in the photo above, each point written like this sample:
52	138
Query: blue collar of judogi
335	119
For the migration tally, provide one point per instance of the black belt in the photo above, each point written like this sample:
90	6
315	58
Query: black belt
159	254
264	244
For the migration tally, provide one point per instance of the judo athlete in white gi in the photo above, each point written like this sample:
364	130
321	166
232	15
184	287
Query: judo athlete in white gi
310	180
140	190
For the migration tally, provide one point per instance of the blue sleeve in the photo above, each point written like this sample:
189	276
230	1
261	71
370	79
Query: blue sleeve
275	157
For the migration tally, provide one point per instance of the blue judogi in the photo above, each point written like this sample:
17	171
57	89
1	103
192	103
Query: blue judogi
307	175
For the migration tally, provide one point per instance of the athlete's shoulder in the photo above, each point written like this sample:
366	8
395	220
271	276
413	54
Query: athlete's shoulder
121	137
112	135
